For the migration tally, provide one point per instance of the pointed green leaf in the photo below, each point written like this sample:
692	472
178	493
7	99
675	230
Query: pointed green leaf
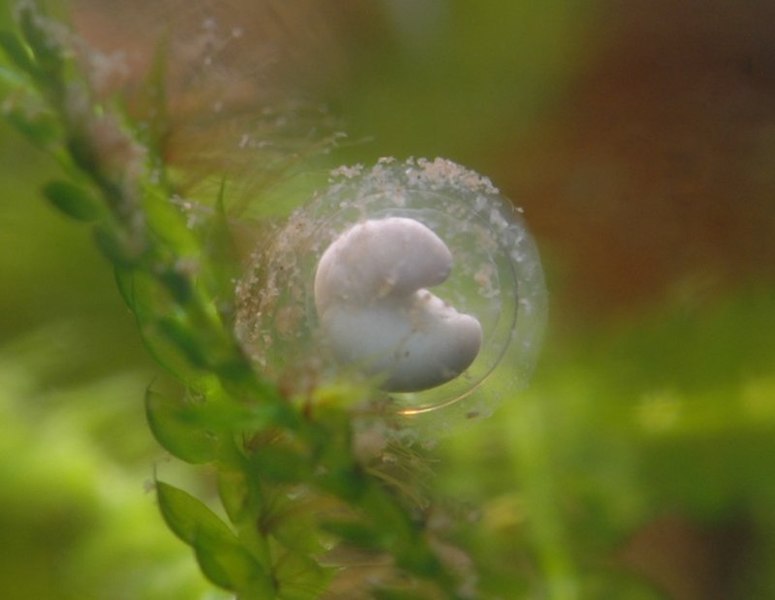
188	517
233	491
184	339
300	577
17	52
115	246
72	200
221	557
146	298
298	532
227	564
41	129
175	427
168	223
125	284
221	247
46	49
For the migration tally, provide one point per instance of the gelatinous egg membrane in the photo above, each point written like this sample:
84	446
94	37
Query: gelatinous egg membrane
496	277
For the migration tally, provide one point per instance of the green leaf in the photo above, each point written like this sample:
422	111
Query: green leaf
85	155
280	463
47	52
125	284
17	52
115	246
300	577
178	285
188	517
235	417
221	247
297	528
176	428
359	535
168	223
72	200
148	299
233	491
227	564
184	338
41	130
221	557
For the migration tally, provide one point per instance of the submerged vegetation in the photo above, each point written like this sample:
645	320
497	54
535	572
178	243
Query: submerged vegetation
634	466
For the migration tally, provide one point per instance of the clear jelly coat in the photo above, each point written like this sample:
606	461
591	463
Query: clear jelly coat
472	261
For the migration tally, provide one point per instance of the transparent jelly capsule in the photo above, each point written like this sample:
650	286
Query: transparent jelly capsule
416	275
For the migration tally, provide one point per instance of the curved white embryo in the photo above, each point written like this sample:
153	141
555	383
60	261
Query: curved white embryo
375	310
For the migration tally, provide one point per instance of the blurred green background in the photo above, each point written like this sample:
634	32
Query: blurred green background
638	135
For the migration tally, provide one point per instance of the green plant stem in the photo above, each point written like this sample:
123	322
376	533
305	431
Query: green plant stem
171	285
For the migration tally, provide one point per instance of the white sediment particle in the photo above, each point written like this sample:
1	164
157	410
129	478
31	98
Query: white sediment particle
189	267
497	220
106	71
517	256
441	172
347	172
484	280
